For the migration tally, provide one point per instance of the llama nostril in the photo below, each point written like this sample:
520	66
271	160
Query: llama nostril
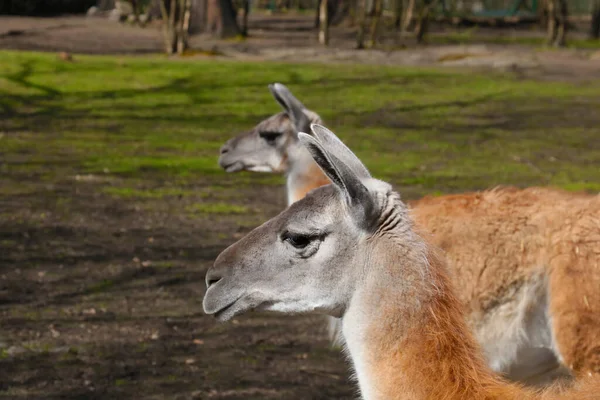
224	149
212	278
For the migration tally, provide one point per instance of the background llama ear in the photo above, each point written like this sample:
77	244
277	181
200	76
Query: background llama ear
291	105
357	196
336	147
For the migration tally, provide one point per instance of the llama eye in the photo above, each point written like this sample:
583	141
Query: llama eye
270	137
297	240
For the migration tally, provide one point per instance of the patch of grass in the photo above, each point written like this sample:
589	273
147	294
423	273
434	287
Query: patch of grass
100	286
147	193
39	347
151	119
11	188
591	187
469	37
163	264
217	208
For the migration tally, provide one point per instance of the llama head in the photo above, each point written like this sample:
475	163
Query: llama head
269	146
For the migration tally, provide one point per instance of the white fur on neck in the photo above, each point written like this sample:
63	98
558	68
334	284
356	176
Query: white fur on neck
299	161
353	328
299	164
362	314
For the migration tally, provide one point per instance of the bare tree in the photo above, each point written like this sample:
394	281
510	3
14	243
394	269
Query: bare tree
362	16
352	12
595	25
337	10
398	13
217	17
323	23
408	15
168	9
246	11
557	13
424	9
221	19
184	25
377	10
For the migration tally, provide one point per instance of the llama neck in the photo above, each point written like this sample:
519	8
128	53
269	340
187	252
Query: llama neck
409	340
303	176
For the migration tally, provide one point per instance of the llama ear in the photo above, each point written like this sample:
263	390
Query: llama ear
336	147
291	105
357	196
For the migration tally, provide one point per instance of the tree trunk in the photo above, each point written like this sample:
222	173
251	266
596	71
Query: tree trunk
324	23
216	17
408	15
221	21
563	24
198	10
551	29
595	25
318	15
246	11
557	22
377	10
398	13
334	9
339	10
168	10
184	25
352	12
362	16
423	19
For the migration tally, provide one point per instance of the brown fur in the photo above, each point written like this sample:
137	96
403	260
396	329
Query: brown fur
313	179
436	357
497	240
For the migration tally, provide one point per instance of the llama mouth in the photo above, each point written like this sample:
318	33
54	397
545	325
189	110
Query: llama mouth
226	313
233	167
221	312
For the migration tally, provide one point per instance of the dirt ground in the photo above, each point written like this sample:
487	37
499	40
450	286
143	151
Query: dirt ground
100	298
291	38
104	301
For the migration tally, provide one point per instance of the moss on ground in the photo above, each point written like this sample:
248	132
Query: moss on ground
427	130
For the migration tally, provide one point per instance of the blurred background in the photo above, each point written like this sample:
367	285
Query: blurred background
113	206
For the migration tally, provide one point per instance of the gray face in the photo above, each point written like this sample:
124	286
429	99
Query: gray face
308	258
267	146
287	264
263	149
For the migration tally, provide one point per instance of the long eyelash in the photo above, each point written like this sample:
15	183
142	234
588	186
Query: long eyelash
310	235
272	135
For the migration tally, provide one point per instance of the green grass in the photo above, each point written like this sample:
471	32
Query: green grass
217	208
470	36
101	286
147	193
149	119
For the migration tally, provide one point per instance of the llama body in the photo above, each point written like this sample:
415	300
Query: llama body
349	250
525	262
527	272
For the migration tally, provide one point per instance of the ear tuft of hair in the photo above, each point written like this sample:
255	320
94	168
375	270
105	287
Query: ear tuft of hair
357	196
334	145
291	105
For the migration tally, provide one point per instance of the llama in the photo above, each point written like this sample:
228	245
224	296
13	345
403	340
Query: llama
525	261
272	146
349	250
